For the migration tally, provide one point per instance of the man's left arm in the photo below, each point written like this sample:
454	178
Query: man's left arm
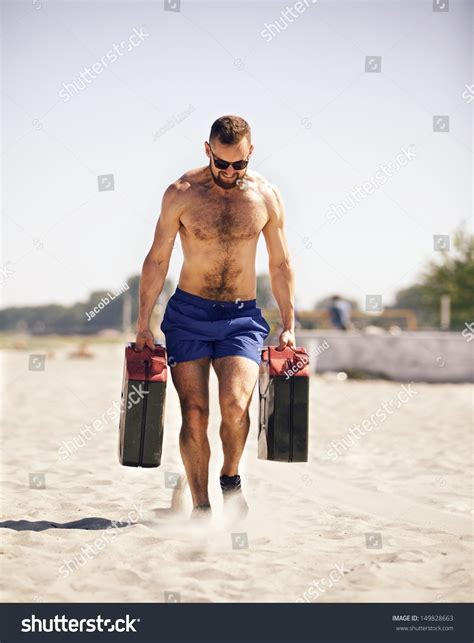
282	279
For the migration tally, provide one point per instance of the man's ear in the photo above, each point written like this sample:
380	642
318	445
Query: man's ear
250	150
207	149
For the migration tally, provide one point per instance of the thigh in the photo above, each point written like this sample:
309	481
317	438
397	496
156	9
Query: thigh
244	337
191	380
237	376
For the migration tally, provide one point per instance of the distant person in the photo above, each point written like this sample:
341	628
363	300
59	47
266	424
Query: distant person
340	312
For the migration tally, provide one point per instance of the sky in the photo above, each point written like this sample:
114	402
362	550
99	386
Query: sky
343	99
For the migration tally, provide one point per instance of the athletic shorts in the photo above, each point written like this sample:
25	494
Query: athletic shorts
196	327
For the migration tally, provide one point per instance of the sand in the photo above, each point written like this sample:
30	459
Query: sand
388	519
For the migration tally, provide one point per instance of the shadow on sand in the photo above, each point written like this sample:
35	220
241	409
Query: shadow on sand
42	525
98	523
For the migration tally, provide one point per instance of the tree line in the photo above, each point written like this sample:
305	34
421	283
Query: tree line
451	273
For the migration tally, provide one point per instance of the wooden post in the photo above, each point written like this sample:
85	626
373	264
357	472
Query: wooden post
445	312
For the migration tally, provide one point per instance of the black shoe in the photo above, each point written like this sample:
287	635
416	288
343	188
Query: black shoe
233	496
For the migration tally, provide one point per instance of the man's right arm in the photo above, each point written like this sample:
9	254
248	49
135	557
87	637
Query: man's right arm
155	266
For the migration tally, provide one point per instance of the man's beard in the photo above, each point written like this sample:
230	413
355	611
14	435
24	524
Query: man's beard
222	183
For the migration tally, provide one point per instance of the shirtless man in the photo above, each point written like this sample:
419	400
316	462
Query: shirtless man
219	211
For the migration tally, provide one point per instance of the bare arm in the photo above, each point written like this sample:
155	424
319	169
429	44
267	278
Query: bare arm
155	266
282	278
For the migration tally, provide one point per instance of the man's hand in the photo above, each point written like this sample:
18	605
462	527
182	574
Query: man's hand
144	338
287	338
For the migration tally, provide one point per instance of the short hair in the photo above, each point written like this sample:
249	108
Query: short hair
230	130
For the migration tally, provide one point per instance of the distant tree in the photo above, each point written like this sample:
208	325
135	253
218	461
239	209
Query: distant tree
416	298
452	273
54	318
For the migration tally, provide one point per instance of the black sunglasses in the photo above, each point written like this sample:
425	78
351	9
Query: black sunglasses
223	165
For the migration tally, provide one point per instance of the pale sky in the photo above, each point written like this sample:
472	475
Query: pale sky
322	126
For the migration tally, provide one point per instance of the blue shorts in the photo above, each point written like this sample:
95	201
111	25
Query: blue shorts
196	327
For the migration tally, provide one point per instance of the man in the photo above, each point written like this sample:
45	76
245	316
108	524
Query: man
219	211
339	311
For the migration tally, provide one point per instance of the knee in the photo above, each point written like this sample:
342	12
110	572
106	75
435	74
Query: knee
195	414
234	412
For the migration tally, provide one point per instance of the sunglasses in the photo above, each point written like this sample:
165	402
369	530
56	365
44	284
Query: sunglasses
223	165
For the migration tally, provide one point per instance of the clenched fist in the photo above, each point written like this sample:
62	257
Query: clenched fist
144	338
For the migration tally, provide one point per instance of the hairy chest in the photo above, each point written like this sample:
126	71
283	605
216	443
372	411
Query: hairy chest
239	217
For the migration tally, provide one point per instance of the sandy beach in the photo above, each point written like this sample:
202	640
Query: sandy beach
384	516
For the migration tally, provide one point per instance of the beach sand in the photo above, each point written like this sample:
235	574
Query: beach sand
388	519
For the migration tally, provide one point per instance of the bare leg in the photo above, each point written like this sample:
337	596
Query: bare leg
237	377
191	380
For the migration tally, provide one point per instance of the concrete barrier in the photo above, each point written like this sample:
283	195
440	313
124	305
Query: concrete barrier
409	356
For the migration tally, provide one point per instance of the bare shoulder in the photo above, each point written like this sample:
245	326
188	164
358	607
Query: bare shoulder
269	193
196	177
177	193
